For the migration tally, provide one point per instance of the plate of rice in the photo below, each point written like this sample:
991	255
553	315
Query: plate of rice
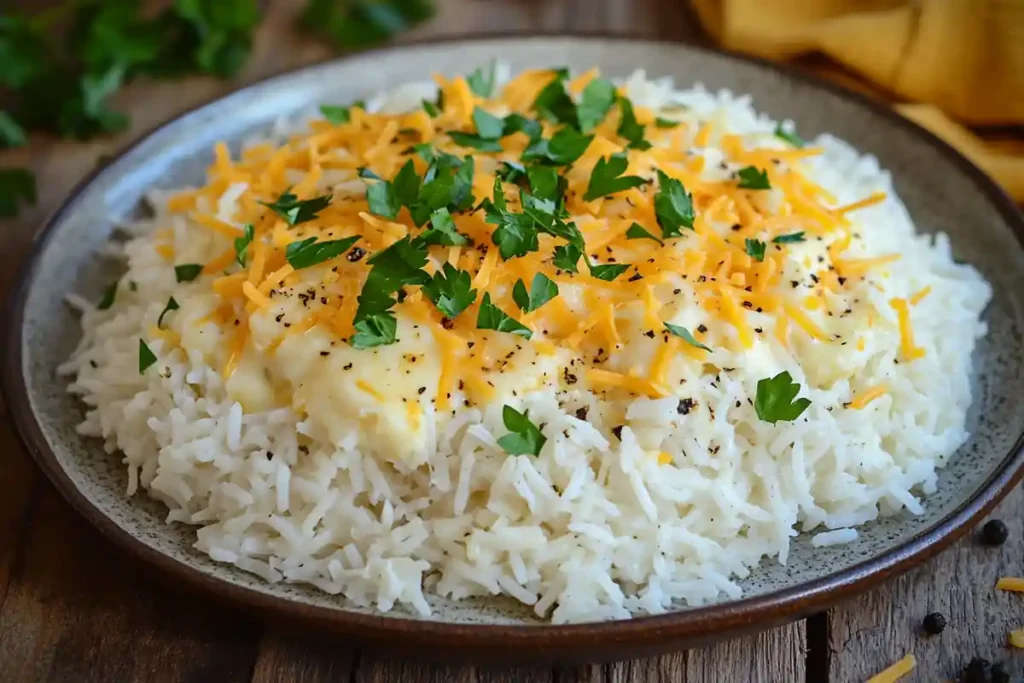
598	349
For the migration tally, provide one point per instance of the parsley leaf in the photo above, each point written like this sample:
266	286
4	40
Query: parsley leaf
630	128
442	230
554	104
187	272
11	134
666	123
607	271
680	331
524	438
545	183
607	177
564	147
310	252
16	185
474	141
598	97
493	318
542	290
450	290
488	126
752	178
242	244
673	206
109	295
294	210
516	234
791	237
363	23
375	329
482	82
516	123
511	171
431	108
146	357
382	200
407	184
447	183
335	114
755	249
774	400
567	257
172	305
791	138
638	232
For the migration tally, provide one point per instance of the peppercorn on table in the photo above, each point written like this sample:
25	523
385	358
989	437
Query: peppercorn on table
73	607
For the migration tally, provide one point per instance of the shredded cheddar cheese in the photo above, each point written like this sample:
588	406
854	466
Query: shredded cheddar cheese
1010	583
896	671
866	397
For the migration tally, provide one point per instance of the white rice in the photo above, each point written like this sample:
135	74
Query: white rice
593	528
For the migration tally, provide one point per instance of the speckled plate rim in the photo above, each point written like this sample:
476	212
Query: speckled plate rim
538	643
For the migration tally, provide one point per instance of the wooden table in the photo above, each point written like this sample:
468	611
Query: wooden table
75	608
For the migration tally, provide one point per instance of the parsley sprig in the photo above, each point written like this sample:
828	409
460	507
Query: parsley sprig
607	177
774	400
524	437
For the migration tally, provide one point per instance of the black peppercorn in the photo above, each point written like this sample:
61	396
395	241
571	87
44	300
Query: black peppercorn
617	431
934	624
978	671
1000	674
994	533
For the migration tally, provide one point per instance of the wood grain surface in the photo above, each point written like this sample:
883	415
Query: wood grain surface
75	608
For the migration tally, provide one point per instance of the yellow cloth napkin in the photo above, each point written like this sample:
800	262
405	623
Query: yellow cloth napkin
954	59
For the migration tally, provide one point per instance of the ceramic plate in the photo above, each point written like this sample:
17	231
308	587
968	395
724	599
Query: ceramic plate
943	192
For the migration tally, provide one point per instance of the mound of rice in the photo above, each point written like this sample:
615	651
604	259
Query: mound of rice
595	527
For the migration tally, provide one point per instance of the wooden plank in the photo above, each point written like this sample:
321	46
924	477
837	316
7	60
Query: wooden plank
78	609
877	629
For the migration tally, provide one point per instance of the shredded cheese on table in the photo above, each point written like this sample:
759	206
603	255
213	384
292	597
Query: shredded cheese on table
1010	583
895	672
732	281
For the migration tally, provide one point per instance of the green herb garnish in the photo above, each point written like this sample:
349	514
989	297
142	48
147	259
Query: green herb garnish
187	272
431	108
639	232
673	206
442	230
524	438
294	210
567	257
172	305
553	103
607	271
630	128
791	138
335	114
666	123
376	329
545	183
451	290
607	177
146	357
474	141
493	318
242	244
482	82
755	249
774	401
791	237
597	99
488	126
109	294
684	334
310	252
752	178
542	290
564	147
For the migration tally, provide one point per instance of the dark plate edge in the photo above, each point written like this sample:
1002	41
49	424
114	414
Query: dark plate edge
541	643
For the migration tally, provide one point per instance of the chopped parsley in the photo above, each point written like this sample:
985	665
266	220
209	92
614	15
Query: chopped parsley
517	123
187	272
597	99
564	148
684	334
791	138
488	126
310	252
755	249
493	318
146	356
607	271
639	232
511	171
442	230
666	123
482	82
391	269
545	183
791	237
516	234
630	128
673	206
431	108
567	257
335	114
542	290
607	177
294	210
406	184
109	294
172	305
774	401
242	244
524	437
753	178
474	141
451	290
554	104
382	200
377	329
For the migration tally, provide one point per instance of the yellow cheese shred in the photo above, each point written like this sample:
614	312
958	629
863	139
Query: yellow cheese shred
365	386
866	397
1017	638
1010	583
896	671
907	348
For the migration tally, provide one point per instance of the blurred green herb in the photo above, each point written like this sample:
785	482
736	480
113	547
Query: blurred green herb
62	66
